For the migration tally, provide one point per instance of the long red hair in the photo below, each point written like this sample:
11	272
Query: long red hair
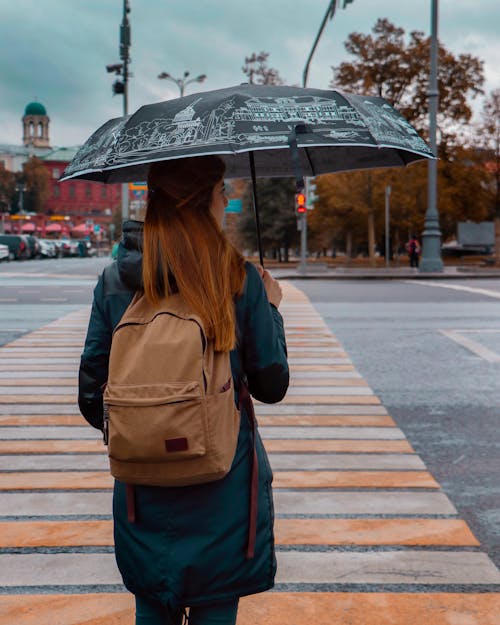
184	245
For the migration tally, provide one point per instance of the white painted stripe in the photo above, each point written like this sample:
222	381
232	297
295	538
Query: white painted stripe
386	567
456	287
39	390
41	409
343	462
34	432
316	392
55	503
329	373
304	409
359	502
379	567
22	375
286	502
322	432
319	361
473	346
296	351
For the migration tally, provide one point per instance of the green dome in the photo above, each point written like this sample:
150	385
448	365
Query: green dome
35	108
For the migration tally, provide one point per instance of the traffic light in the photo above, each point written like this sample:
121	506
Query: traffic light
300	203
312	198
118	87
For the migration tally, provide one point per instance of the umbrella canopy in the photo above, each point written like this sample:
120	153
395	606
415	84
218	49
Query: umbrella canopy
29	227
81	229
332	131
53	228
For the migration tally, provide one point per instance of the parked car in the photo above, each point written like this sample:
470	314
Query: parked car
4	252
453	248
48	248
17	244
33	246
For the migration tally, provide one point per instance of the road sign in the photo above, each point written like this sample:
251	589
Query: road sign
234	206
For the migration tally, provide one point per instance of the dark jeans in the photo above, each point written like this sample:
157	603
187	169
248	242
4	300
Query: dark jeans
413	260
218	614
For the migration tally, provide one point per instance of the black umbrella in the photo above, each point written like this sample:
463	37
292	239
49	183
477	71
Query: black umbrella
259	130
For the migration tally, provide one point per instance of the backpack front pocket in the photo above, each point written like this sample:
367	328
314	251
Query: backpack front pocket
156	422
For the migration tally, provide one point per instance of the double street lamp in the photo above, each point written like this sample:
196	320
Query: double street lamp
182	82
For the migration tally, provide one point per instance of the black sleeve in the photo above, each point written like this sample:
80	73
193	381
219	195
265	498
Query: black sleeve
93	372
264	353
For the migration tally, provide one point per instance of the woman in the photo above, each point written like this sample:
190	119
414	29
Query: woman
188	548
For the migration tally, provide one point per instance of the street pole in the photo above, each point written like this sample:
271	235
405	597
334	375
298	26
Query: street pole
125	42
182	82
330	12
431	260
303	232
387	231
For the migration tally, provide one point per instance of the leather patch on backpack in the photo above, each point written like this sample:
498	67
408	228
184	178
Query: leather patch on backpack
176	444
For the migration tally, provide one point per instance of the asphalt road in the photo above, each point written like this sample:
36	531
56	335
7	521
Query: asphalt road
429	349
35	292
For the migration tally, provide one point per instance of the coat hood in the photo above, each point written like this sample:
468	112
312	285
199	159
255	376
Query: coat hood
129	257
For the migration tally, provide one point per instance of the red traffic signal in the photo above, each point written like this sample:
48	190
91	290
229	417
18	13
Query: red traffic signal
300	202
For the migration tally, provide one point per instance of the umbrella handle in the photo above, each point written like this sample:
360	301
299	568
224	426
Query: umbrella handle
256	207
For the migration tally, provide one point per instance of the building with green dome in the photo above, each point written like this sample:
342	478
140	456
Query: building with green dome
36	126
35	108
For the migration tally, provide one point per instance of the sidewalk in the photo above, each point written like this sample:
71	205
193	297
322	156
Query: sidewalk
364	534
323	272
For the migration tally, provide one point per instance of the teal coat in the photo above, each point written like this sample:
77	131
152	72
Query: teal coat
188	544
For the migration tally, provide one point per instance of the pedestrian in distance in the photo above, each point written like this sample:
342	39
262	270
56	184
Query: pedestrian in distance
191	546
413	249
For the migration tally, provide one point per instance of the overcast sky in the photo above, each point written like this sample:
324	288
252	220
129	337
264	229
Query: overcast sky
55	51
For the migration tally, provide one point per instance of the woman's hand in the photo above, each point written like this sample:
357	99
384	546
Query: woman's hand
272	286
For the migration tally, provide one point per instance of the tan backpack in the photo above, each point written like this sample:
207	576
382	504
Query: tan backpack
170	416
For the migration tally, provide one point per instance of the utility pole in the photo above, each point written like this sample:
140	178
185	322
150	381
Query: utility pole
125	41
431	239
120	87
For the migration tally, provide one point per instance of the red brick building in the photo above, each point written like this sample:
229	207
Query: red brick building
76	202
78	198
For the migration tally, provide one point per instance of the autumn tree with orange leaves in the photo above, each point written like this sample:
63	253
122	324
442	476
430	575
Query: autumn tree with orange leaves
390	65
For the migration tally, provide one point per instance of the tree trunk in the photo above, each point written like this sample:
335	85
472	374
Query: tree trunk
371	237
348	246
397	244
497	241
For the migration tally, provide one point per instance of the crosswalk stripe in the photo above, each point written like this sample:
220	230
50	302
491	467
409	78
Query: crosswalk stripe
355	505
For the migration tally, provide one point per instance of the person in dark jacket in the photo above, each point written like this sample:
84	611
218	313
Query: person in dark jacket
188	546
413	249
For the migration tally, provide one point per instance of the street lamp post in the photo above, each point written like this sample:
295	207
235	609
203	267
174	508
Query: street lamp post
431	238
182	82
330	12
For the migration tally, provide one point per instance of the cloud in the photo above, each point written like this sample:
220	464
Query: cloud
56	50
